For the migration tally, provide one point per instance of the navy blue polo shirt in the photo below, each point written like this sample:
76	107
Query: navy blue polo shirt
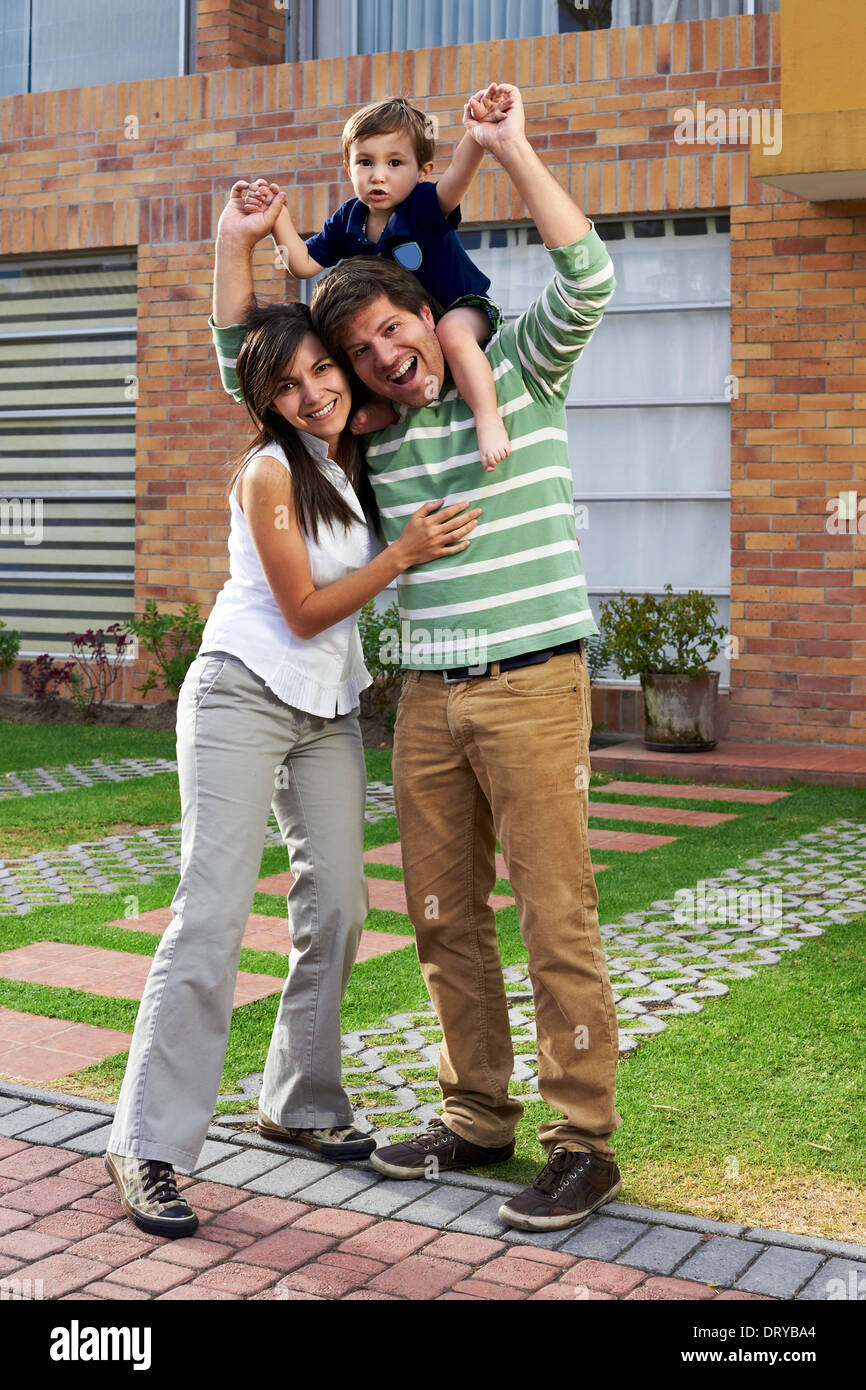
417	235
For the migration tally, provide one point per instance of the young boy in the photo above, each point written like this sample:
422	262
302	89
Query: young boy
388	155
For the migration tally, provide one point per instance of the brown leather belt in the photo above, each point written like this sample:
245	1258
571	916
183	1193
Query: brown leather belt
510	663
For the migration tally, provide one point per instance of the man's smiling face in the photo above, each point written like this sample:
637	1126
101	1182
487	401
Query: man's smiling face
395	353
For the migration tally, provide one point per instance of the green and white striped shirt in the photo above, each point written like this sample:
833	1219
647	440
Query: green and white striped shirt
519	586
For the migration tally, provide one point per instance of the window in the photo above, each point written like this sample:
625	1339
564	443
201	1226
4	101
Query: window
624	12
648	412
48	45
67	444
334	28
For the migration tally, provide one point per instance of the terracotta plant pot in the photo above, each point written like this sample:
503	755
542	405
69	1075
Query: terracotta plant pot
680	711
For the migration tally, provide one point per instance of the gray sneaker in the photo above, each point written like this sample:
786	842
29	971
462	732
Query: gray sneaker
148	1193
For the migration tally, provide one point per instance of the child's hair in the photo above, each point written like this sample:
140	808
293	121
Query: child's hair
274	334
387	117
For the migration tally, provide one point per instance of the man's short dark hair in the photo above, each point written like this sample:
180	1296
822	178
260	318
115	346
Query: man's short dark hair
351	286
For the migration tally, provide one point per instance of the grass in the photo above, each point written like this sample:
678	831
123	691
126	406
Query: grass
752	1083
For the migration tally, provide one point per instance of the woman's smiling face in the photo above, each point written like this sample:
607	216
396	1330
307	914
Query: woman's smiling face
312	392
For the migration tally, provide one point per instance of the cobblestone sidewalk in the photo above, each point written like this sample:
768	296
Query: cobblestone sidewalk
277	1225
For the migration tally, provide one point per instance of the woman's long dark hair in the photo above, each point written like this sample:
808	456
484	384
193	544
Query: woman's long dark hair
274	334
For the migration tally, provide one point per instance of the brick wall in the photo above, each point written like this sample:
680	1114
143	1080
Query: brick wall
238	34
600	108
798	591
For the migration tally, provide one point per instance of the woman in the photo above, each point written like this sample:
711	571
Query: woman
268	715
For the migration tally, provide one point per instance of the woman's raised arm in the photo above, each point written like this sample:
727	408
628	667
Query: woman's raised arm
237	233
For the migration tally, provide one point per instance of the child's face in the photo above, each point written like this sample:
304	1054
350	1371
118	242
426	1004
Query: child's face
384	169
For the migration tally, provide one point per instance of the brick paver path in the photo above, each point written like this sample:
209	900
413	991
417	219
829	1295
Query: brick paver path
65	1236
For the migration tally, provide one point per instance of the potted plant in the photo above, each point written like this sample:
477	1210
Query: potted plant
669	640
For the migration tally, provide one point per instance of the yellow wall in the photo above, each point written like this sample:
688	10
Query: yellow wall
823	55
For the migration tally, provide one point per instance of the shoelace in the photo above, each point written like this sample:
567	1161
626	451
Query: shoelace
160	1183
433	1135
551	1178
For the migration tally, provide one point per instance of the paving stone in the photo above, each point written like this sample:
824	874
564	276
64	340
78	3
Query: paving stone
604	1277
518	1273
780	1271
65	1126
19	1120
64	1272
389	1241
258	1216
661	1289
845	1249
719	1260
288	1179
420	1277
603	1238
481	1220
388	1197
241	1168
8	1104
212	1151
36	1162
95	1141
440	1205
683	1220
284	1250
838	1280
328	1222
660	1250
338	1187
470	1250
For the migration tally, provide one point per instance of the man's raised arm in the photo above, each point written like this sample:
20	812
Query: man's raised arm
553	332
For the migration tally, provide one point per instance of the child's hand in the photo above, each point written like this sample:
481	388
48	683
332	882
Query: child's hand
250	225
495	115
259	195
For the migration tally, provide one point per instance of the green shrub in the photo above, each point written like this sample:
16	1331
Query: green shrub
172	639
10	643
386	672
671	634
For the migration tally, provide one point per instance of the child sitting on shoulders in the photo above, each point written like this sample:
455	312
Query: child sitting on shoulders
388	154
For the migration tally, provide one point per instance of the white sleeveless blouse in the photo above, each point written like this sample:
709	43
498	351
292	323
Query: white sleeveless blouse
323	675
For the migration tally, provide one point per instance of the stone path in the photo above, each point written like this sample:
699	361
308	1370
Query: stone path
278	1224
660	967
120	861
34	781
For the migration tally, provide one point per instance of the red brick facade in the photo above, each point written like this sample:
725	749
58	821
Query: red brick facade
600	108
238	34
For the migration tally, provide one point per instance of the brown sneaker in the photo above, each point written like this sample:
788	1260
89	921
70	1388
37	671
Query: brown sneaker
436	1149
567	1190
341	1141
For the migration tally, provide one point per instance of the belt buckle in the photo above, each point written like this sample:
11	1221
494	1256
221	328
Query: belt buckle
471	671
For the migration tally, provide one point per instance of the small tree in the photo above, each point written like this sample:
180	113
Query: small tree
173	639
96	667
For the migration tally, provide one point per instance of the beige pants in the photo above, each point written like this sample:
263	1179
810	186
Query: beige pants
507	755
241	751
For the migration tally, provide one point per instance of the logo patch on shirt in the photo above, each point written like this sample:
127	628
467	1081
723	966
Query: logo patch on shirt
408	255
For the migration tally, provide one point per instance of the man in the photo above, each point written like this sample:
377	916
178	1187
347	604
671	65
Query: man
492	732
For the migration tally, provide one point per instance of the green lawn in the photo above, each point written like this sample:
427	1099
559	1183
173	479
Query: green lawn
746	1111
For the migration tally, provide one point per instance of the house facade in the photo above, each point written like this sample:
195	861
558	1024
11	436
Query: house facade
716	421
